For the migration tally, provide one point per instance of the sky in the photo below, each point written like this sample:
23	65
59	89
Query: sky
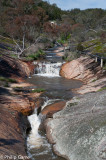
82	4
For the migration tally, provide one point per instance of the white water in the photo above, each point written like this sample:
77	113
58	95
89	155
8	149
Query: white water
48	69
35	141
48	102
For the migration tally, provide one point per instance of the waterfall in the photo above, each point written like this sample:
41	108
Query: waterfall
34	138
36	143
48	69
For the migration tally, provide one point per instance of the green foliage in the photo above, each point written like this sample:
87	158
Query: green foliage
10	80
52	11
69	56
80	47
94	80
95	46
61	41
104	67
38	90
90	43
6	84
104	88
35	56
14	55
73	104
85	25
7	41
64	38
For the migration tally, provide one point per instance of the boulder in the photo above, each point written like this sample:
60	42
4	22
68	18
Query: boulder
78	132
53	108
10	67
83	68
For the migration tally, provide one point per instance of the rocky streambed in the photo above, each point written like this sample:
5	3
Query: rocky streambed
14	107
77	132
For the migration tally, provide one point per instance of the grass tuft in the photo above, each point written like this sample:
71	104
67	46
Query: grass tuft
10	80
102	89
38	90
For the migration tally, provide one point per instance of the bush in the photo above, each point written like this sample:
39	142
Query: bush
8	80
35	56
64	39
69	56
6	84
80	48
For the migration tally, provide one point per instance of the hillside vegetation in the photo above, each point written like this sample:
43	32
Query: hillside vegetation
28	22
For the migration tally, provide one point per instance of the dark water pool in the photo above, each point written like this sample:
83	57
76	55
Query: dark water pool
56	87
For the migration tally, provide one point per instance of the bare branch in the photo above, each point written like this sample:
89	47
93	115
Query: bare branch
17	45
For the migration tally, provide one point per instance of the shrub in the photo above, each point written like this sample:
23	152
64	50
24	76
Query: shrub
8	80
11	80
35	56
64	39
6	84
80	48
69	56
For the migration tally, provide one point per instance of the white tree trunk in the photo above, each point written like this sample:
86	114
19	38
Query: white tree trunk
23	41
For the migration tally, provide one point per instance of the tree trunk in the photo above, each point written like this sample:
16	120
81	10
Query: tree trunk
23	41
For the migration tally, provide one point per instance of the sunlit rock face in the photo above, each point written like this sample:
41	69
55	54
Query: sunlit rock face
83	68
49	110
79	130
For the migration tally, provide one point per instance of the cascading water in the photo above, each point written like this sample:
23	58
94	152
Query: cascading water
38	146
48	69
34	138
47	76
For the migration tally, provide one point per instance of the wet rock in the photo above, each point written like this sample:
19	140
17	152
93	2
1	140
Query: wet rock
48	112
39	102
79	130
53	108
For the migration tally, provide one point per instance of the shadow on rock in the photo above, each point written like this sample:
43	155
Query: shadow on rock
4	142
3	91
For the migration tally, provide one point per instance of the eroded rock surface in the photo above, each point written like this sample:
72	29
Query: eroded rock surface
78	132
10	67
86	70
83	68
14	108
12	129
53	108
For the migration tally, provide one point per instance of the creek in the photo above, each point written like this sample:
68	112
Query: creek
57	88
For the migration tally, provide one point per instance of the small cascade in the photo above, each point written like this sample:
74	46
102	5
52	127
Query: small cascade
34	138
57	88
48	69
38	146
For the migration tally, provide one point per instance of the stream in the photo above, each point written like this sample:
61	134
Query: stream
57	88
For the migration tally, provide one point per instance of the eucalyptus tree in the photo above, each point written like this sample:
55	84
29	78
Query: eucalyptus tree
24	21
